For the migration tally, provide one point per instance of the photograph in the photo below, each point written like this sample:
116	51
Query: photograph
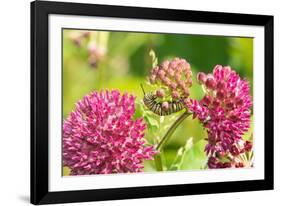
139	102
136	102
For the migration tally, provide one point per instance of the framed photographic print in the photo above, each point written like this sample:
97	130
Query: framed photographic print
133	102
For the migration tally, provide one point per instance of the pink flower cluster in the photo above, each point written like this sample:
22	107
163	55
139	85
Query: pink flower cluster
225	113
95	52
100	136
78	37
174	76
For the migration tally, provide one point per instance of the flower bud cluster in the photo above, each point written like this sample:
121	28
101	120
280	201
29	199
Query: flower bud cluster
174	76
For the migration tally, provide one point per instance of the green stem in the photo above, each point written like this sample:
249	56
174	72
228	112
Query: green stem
172	129
158	162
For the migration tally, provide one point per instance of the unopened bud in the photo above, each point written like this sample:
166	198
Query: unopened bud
152	79
211	83
165	106
160	93
227	70
161	73
171	72
175	95
201	77
186	92
165	64
173	85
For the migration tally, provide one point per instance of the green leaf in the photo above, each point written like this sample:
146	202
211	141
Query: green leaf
195	158
154	58
178	161
149	117
152	123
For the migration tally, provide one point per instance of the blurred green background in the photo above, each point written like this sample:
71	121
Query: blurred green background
125	65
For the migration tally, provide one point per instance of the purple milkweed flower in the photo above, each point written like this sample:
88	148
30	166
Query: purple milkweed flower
225	113
100	136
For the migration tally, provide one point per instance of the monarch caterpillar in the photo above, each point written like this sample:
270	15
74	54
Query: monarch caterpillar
150	102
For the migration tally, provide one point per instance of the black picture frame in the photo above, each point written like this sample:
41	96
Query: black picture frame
40	100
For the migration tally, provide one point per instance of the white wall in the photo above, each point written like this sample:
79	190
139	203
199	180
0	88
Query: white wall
14	102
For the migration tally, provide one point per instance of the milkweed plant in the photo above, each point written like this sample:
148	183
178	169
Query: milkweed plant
102	134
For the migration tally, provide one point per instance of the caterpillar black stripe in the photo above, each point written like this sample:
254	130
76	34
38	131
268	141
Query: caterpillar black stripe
150	102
